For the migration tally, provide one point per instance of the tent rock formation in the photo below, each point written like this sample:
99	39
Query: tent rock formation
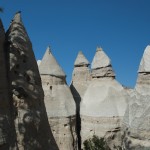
59	102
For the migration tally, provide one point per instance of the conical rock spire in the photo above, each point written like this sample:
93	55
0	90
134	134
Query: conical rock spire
100	60
143	80
27	93
145	62
17	17
81	60
7	134
101	65
59	102
49	65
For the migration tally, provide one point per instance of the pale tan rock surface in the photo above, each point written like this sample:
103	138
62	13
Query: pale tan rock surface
137	116
81	77
38	62
7	130
101	65
104	103
31	122
59	102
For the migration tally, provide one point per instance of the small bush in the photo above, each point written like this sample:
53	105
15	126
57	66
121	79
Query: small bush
95	143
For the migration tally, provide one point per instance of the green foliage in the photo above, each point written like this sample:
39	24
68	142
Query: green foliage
95	143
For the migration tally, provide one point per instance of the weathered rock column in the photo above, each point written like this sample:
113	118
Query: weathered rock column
103	104
137	116
59	102
7	130
31	123
80	81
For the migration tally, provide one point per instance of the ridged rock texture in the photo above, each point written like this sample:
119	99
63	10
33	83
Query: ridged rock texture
7	130
60	105
31	123
80	80
104	103
137	116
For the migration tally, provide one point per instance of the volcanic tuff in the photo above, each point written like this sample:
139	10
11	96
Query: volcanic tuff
62	119
80	80
59	102
31	125
7	130
104	103
137	116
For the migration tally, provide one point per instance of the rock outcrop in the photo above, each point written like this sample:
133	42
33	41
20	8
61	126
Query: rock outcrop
80	81
7	130
31	123
104	103
137	116
59	102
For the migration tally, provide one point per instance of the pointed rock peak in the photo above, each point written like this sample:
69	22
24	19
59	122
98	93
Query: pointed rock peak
100	59
48	49
145	61
81	60
99	49
17	17
49	65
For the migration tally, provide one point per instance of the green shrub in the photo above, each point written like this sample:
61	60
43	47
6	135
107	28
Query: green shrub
95	143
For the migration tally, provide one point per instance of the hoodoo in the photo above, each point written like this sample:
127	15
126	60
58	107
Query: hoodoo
59	102
7	131
31	124
80	81
143	80
103	104
137	116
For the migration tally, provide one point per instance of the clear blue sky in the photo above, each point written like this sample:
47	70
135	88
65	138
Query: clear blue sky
120	27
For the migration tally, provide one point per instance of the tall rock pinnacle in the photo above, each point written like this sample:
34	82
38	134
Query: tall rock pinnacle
145	63
143	80
59	102
101	65
7	130
31	122
103	104
136	119
80	80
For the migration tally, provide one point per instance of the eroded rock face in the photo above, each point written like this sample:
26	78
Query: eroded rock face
7	131
137	116
31	123
104	104
101	65
59	102
81	77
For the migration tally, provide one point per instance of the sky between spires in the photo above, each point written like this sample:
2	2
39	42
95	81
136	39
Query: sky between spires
120	27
